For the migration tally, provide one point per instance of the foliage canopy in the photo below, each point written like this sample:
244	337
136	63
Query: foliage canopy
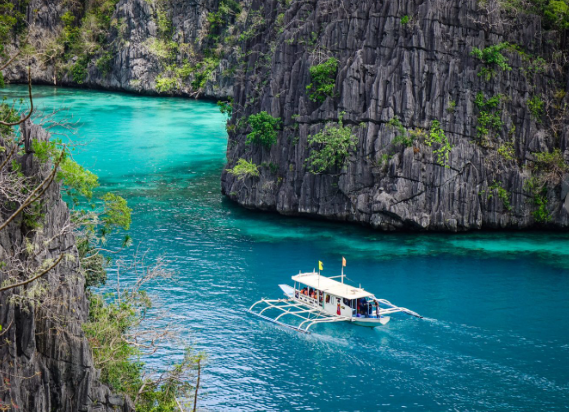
244	169
264	129
323	80
334	144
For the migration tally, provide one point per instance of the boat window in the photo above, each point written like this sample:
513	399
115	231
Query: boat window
327	298
347	302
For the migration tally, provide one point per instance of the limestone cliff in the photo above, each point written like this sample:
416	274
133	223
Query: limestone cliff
175	47
406	69
403	68
46	362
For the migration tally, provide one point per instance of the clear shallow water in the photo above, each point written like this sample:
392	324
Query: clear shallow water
496	336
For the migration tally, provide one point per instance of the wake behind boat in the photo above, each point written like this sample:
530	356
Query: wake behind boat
316	299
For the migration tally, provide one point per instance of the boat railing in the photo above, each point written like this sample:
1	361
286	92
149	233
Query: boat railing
306	299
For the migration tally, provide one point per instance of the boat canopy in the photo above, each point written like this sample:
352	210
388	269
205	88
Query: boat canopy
330	286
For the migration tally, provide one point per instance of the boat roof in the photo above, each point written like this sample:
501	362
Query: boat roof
343	290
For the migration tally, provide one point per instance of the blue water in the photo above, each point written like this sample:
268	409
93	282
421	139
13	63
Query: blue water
496	333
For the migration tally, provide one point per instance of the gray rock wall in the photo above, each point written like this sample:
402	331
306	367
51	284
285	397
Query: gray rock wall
45	360
412	71
134	64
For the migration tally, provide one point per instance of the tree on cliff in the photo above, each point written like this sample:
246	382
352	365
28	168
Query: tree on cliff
119	328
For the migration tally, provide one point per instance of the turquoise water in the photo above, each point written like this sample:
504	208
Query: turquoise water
496	333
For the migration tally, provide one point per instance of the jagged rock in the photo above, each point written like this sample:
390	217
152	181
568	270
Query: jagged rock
419	71
387	69
134	66
46	363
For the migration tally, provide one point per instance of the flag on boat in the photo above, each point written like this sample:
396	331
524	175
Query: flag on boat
343	261
320	265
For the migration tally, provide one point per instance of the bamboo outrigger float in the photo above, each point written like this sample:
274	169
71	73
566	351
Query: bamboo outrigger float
325	300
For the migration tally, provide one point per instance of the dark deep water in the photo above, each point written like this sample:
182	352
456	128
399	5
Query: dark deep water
496	336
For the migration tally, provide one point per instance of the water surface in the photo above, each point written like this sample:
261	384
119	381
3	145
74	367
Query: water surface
496	337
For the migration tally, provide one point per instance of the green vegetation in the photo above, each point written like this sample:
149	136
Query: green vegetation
115	320
335	142
255	23
79	69
489	116
103	63
108	323
204	70
83	39
273	167
163	22
535	106
244	169
553	162
116	212
502	193
224	14
279	23
507	151
532	65
33	216
556	13
195	69
8	114
12	21
541	214
226	106
538	194
405	19
174	75
437	135
77	180
118	329
383	161
165	84
401	137
492	57
112	320
264	129
323	80
163	49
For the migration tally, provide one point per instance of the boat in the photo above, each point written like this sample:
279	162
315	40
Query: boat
315	299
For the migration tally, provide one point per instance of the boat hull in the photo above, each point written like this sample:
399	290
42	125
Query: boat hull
371	322
367	322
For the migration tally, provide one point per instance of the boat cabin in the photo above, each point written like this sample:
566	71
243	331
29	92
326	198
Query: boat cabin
336	298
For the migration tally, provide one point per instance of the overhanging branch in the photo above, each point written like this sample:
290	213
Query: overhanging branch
25	282
37	192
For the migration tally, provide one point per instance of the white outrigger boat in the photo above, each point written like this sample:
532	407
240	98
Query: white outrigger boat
317	299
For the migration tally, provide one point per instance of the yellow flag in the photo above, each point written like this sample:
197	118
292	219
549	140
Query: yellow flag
343	261
320	266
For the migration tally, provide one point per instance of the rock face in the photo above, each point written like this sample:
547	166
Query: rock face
45	360
400	62
138	52
409	60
